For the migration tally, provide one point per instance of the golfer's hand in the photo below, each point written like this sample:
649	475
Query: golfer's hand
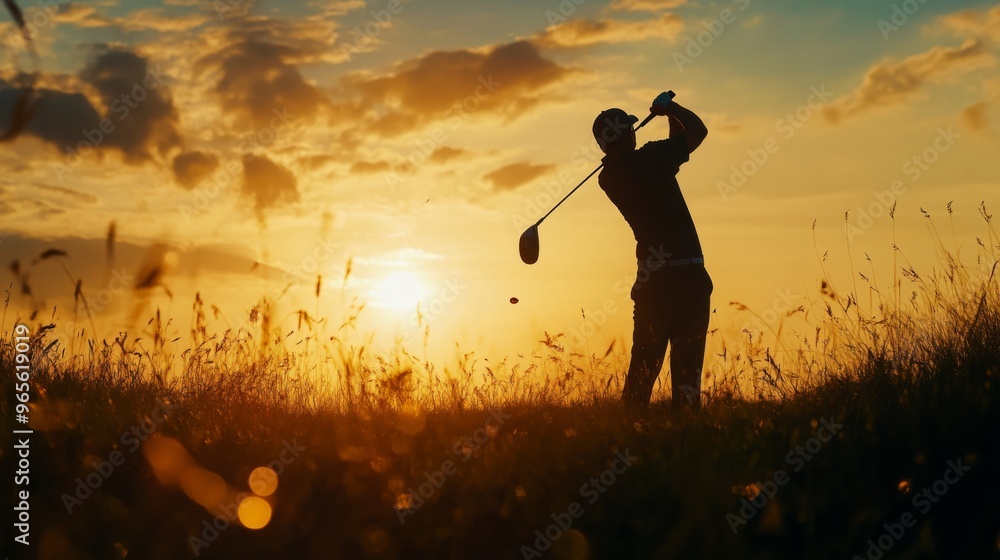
659	106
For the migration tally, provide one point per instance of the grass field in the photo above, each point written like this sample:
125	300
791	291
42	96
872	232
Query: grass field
874	438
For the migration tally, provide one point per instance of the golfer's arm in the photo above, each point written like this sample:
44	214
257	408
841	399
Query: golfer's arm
676	128
683	121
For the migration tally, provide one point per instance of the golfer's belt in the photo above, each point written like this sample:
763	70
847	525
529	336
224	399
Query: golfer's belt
674	262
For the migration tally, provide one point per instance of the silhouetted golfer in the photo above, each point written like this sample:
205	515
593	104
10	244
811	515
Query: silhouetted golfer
672	287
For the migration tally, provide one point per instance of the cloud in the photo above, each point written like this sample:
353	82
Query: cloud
139	118
88	259
29	200
14	205
255	68
315	161
975	116
191	168
645	5
156	20
143	112
152	19
444	154
370	166
59	118
267	183
984	24
511	176
507	80
339	8
892	83
588	32
80	15
64	194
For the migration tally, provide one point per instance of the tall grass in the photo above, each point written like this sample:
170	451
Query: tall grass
314	366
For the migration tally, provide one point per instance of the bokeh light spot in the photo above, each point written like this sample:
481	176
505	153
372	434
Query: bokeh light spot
203	486
254	512
263	481
167	456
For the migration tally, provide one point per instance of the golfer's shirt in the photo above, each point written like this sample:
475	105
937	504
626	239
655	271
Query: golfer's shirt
643	185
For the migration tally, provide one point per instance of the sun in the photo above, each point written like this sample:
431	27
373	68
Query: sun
401	290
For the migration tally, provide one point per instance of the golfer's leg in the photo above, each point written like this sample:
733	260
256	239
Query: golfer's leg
687	350
649	344
687	358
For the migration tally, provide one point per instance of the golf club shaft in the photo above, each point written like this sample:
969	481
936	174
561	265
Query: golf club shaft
540	220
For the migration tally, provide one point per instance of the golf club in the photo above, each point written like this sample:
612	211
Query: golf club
528	244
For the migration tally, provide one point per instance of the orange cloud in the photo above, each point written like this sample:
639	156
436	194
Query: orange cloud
144	114
984	24
370	166
975	116
267	183
587	32
191	168
645	5
511	176
137	20
892	83
450	85
139	118
255	69
445	154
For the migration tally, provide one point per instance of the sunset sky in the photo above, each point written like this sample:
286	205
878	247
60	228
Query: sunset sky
253	145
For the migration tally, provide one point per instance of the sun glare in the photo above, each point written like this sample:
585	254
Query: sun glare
401	291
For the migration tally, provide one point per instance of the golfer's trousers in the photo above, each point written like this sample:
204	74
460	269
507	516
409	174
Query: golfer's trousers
672	307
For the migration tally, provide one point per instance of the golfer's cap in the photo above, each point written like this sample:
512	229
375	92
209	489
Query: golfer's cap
611	125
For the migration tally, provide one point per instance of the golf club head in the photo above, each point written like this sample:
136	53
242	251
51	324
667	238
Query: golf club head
528	245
